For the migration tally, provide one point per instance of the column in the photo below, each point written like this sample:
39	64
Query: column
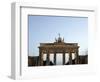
41	58
63	58
55	58
70	58
76	57
48	59
39	62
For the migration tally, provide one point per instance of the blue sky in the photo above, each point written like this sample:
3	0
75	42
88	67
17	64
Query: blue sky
44	29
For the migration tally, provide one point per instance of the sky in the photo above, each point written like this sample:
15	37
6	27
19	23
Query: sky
44	29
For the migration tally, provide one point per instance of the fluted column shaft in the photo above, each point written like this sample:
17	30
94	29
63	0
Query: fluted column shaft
41	58
76	57
70	58
48	58
63	58
55	58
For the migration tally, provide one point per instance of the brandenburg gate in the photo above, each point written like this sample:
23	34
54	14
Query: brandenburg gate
59	46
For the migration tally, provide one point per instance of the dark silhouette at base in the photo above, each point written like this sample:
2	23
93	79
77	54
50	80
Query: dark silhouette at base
34	61
45	63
